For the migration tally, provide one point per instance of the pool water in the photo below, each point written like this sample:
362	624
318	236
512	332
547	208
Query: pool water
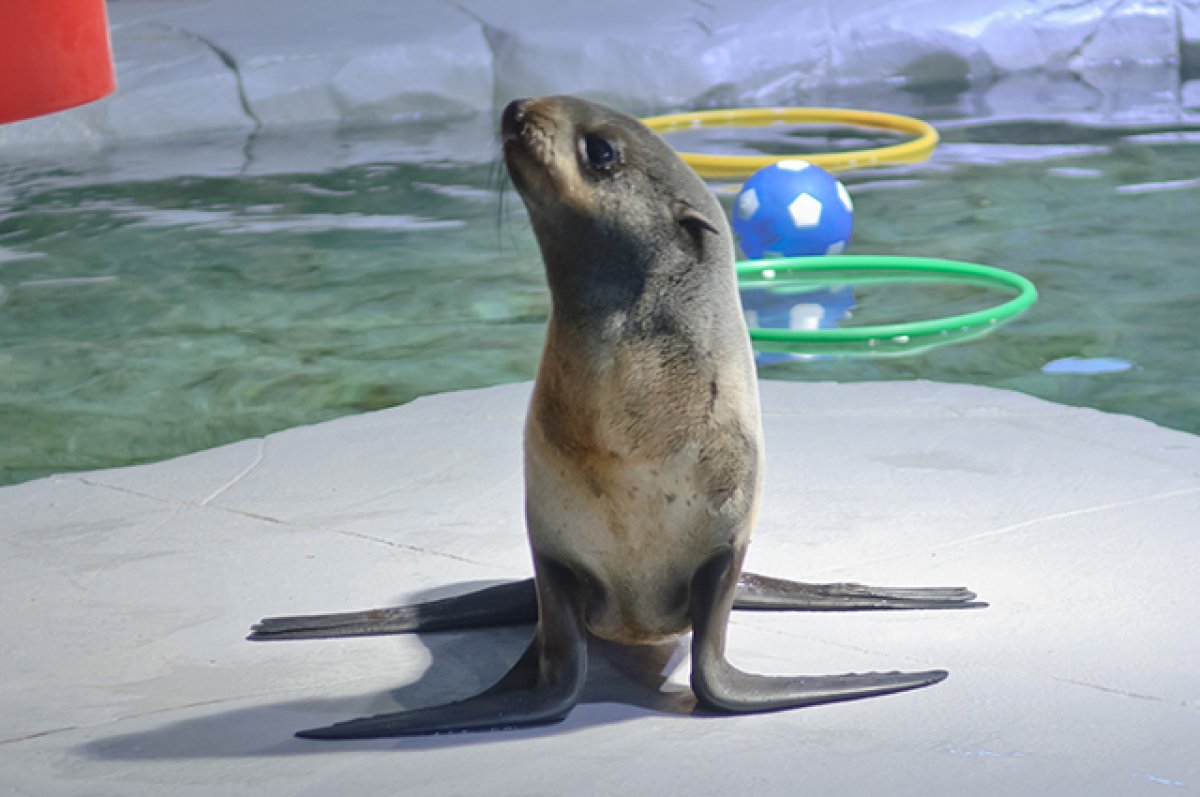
151	310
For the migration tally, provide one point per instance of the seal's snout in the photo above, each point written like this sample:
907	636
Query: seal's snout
512	121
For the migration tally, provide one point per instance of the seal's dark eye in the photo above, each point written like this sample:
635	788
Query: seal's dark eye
600	152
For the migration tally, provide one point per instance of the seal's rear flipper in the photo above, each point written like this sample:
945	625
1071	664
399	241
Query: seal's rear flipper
541	688
514	603
766	593
720	686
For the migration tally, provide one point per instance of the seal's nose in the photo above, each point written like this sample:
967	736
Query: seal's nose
512	121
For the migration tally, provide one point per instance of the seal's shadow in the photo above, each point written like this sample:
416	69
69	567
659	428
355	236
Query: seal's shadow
623	683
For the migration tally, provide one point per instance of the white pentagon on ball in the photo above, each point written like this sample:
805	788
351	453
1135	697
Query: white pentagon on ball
805	211
793	165
843	195
747	204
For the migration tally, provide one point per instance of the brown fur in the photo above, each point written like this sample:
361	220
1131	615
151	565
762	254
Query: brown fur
642	441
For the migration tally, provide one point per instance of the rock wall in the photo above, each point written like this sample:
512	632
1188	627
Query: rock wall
189	67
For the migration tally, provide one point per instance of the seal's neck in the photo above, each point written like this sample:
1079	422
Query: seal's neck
599	285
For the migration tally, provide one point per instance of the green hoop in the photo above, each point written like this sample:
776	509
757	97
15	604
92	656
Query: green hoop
860	269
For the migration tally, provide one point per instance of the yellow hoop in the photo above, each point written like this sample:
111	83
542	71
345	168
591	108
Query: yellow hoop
741	166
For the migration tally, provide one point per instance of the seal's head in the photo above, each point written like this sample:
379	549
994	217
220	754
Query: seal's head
610	202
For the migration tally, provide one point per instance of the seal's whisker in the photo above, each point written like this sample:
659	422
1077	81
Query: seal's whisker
499	183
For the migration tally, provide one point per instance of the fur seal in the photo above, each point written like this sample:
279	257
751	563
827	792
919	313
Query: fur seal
643	446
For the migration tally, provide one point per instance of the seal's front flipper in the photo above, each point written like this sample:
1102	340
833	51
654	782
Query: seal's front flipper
541	688
722	687
766	593
514	603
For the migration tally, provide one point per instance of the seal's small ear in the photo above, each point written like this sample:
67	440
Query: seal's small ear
693	219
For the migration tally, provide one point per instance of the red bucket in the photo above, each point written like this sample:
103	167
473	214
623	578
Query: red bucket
54	54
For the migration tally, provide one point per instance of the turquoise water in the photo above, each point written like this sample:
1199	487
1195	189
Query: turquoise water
146	313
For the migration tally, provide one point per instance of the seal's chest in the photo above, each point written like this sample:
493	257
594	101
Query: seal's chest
640	540
622	515
634	493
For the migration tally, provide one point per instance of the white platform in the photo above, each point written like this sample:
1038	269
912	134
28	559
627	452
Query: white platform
127	594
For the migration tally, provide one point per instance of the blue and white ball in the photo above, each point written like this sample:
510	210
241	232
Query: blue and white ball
793	209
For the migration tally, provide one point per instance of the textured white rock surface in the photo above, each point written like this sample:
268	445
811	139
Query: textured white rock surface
189	67
127	594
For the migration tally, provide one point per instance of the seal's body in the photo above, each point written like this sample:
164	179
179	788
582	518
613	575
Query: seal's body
643	444
635	500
